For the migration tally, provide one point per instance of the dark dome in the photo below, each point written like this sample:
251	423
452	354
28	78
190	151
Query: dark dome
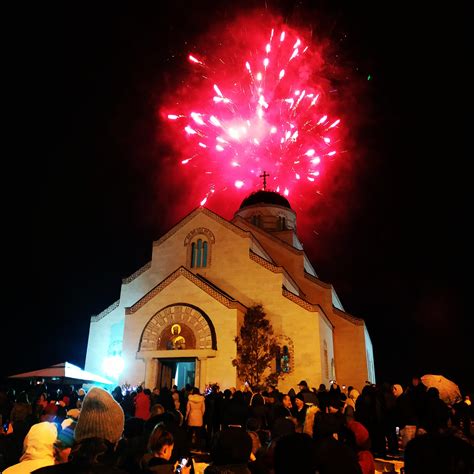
265	197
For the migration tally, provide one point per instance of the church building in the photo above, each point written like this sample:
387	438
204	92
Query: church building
178	316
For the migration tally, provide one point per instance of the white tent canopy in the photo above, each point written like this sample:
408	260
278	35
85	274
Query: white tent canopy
64	372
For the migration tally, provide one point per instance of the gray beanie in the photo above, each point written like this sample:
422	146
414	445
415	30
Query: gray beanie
101	417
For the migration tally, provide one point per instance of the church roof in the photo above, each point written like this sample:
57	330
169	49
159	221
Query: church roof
201	282
265	197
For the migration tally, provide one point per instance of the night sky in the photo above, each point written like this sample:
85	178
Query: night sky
89	188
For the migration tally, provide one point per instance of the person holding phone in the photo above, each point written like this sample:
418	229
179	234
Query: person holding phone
160	445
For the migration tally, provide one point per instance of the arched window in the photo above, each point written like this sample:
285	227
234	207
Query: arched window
283	356
281	223
193	255
285	360
204	253
199	252
199	243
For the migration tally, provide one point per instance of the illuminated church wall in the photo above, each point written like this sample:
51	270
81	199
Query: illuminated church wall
244	266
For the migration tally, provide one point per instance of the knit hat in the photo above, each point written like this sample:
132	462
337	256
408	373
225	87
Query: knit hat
101	417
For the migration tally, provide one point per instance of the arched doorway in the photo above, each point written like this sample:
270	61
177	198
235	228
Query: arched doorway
175	345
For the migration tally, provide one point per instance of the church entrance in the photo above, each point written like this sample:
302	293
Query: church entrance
176	371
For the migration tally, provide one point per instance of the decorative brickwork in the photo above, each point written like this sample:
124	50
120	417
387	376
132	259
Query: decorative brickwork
137	273
200	231
319	282
272	267
301	302
208	213
217	295
209	237
265	263
257	230
98	317
193	325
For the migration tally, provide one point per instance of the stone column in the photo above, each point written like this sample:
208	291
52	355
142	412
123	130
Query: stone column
202	361
151	368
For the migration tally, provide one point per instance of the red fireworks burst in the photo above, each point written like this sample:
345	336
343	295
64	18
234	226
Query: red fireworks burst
261	110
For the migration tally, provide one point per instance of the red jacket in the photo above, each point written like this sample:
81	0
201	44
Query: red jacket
142	406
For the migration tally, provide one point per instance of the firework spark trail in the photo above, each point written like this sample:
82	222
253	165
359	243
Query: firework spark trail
256	113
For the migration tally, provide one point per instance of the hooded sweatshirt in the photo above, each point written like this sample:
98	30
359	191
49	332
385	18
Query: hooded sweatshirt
352	398
195	410
38	450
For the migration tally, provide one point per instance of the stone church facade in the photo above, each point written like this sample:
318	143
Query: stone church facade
178	316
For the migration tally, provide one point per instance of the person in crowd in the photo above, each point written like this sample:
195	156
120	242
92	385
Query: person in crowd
253	427
195	417
438	453
389	407
132	447
230	452
22	410
436	412
322	397
38	449
211	413
160	446
369	412
294	453
283	409
350	403
117	394
64	442
309	397
11	441
238	410
98	430
331	455
40	404
128	404
258	409
299	411
335	391
416	392
224	404
142	404
157	409
362	446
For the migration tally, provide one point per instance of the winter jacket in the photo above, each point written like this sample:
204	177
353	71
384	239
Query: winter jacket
195	410
38	450
142	406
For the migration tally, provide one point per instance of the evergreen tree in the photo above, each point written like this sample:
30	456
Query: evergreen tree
256	348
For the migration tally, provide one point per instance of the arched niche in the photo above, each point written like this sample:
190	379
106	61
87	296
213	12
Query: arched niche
194	325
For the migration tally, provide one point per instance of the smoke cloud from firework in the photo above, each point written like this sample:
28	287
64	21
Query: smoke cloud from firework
257	97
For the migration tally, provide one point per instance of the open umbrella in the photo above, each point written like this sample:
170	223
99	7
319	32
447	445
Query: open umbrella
448	391
63	373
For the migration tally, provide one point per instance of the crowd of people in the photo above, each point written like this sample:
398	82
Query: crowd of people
257	430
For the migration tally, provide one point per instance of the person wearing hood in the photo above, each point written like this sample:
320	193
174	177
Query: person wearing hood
38	449
350	404
362	447
96	435
195	409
